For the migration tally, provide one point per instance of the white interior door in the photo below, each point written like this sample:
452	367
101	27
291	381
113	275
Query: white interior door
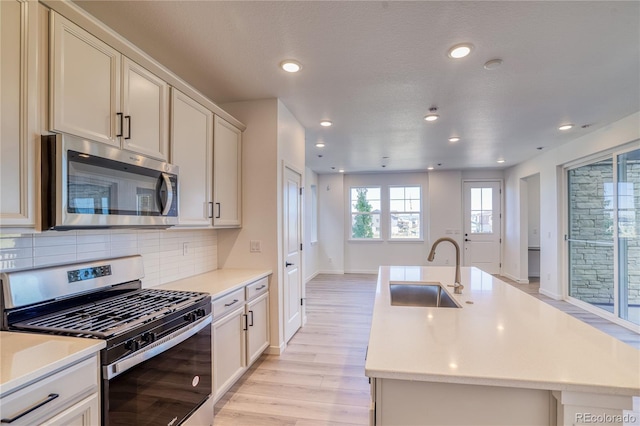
482	225
292	238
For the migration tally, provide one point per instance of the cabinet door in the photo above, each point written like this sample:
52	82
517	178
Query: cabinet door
258	327
84	83
83	413
146	111
228	351
227	169
18	132
191	146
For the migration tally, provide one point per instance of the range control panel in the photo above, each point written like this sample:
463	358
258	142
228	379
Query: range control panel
88	273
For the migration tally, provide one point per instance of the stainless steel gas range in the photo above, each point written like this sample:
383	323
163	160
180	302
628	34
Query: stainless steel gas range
156	367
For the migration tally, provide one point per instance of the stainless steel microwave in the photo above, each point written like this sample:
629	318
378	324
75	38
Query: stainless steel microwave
87	184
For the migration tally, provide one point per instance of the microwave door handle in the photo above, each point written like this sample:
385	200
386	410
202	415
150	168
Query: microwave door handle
169	198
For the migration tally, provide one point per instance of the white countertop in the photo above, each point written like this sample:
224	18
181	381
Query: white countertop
218	282
26	357
505	338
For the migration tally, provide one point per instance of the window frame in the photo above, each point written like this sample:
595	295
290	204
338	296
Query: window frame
390	212
351	213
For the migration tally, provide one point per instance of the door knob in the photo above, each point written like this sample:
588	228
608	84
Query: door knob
287	264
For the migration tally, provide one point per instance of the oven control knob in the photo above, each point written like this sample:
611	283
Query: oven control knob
200	312
190	317
149	337
132	345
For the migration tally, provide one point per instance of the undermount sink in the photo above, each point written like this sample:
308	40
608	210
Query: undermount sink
423	295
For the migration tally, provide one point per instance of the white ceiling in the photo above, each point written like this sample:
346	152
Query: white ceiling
375	69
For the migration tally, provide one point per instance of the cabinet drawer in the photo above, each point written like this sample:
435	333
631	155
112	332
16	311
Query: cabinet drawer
228	303
69	385
257	288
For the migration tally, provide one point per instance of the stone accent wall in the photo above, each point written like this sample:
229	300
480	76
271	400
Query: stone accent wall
591	218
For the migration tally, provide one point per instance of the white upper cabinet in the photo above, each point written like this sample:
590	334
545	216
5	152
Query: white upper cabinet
99	94
191	150
18	106
146	111
84	83
227	178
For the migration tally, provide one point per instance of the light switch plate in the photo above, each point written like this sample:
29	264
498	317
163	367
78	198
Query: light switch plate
255	246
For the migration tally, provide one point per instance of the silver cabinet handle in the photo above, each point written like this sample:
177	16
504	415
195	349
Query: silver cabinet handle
31	409
226	305
261	287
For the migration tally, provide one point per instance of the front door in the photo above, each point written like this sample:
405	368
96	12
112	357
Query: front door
292	239
482	225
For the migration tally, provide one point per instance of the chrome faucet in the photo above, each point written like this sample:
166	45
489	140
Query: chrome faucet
457	286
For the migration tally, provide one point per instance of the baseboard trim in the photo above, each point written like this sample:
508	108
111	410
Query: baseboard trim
550	294
362	271
512	278
275	350
312	277
331	271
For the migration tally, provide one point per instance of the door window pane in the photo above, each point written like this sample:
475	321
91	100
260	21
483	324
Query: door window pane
481	210
591	247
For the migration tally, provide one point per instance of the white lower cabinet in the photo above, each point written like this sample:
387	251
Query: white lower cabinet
228	351
240	333
83	413
68	397
257	327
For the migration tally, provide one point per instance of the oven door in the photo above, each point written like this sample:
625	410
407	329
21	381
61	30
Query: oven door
162	384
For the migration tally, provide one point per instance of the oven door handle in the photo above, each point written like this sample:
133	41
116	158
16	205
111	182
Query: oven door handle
162	345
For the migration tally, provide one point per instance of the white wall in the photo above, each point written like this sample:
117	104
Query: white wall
162	252
550	167
273	137
445	213
331	223
533	208
311	248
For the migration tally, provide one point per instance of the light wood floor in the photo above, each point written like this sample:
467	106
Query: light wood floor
319	379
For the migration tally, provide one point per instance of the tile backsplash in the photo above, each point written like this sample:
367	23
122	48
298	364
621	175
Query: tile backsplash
168	255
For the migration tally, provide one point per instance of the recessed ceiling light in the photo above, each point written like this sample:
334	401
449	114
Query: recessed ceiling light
341	170
432	116
501	160
460	50
320	145
290	65
454	139
430	168
565	127
492	64
326	123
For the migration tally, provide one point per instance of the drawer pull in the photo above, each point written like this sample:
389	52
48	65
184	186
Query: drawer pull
226	305
47	400
261	287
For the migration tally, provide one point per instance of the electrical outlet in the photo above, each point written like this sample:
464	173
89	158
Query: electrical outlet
255	246
185	249
446	262
330	260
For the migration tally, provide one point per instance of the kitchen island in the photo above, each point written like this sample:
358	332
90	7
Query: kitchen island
502	357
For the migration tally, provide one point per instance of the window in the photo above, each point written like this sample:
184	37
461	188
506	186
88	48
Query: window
481	210
404	208
365	212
